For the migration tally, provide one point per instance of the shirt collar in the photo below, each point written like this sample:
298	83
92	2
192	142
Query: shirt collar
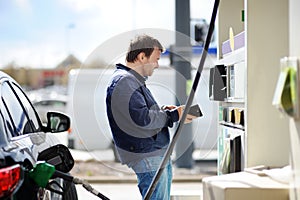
133	72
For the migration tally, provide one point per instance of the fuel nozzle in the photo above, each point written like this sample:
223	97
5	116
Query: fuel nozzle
41	173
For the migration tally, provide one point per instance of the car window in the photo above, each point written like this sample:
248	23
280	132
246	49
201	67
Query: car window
3	131
22	114
11	130
28	107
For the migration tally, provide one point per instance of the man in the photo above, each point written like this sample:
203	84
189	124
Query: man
139	126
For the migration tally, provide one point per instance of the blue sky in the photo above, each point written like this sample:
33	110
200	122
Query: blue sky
41	33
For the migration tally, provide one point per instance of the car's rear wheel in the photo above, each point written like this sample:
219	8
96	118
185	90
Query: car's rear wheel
71	193
67	189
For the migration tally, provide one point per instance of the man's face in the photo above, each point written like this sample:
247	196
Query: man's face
151	63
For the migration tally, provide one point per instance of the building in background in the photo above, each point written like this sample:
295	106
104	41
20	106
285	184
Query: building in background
36	78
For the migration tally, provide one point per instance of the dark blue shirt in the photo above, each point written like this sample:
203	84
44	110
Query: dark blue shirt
138	125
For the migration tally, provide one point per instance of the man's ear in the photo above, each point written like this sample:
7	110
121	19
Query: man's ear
141	56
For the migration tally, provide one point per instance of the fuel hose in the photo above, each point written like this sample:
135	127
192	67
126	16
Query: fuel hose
187	105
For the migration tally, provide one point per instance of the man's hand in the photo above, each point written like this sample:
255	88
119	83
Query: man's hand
189	118
180	109
168	107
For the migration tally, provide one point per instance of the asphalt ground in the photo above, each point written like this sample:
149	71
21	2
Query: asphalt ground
100	167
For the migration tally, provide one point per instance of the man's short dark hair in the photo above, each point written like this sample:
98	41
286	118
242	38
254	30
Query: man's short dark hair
142	43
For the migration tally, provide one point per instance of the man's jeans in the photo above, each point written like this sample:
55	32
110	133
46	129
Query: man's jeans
146	169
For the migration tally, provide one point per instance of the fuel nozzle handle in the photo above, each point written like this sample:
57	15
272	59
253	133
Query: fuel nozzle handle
42	172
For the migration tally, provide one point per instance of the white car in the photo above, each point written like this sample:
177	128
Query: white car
25	140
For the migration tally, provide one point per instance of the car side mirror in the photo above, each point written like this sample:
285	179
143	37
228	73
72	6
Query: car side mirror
57	122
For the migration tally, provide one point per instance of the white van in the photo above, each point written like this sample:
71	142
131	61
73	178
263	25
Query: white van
87	108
